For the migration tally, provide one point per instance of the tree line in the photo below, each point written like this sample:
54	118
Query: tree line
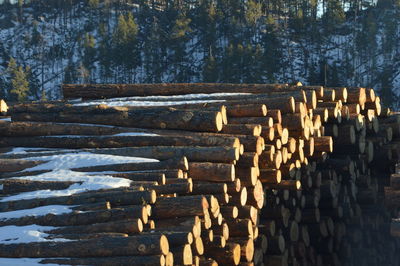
329	42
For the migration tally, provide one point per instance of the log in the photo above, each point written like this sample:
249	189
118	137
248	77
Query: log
268	133
22	185
286	184
248	176
180	224
268	176
395	181
248	159
178	188
93	206
240	227
128	226
214	172
24	129
255	195
99	91
15	165
175	163
128	197
144	176
193	154
182	255
3	107
178	207
293	121
207	262
119	141
104	261
324	143
395	228
168	118
246	247
247	129
263	121
248	212
276	115
276	245
230	212
229	255
209	188
84	236
248	110
100	247
83	218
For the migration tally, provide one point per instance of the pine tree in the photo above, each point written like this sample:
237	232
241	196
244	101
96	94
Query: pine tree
180	58
210	73
89	48
253	12
19	82
272	55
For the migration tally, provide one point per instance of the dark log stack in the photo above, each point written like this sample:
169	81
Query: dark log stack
285	175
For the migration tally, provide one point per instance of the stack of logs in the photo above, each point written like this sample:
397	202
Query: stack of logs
282	175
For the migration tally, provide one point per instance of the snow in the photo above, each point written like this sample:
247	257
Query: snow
23	262
19	150
82	159
146	103
61	165
89	182
162	100
25	234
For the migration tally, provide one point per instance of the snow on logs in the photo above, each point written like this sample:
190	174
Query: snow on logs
265	174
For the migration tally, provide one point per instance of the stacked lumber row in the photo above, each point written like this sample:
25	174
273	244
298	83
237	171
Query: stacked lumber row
360	150
259	186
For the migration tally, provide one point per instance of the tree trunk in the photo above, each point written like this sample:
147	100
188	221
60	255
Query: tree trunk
130	197
100	247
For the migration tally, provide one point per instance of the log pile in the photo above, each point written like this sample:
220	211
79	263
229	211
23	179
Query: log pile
285	175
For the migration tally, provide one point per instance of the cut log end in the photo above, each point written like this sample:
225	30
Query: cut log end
219	121
164	245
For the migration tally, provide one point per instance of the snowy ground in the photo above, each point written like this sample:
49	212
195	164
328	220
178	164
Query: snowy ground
60	166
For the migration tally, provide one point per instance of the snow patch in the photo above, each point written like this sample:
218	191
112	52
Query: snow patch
82	159
24	234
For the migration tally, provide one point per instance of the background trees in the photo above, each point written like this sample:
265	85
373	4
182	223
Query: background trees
327	42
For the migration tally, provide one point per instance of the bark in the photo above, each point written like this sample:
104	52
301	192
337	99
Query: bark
229	255
243	129
93	91
100	247
128	197
215	172
175	163
122	261
193	154
15	165
209	188
83	218
21	129
265	121
128	226
171	118
248	159
22	185
246	247
248	110
178	207
119	141
182	255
